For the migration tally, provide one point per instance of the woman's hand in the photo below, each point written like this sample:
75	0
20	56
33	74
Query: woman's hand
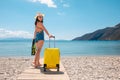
51	36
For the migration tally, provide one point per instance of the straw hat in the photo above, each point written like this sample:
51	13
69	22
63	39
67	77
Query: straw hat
39	14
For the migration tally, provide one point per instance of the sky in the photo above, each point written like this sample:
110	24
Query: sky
66	19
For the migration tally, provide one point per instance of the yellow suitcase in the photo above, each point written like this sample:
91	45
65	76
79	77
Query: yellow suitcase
51	58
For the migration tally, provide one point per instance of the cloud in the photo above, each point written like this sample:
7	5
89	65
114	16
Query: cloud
61	13
66	5
49	3
14	34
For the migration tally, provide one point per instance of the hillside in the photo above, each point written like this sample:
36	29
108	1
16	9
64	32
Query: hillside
109	33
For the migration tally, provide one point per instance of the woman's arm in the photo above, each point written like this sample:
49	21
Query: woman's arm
45	30
40	25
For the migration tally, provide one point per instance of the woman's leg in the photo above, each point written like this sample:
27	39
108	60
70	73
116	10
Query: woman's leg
39	45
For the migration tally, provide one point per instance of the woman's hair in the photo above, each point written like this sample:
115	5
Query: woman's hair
37	20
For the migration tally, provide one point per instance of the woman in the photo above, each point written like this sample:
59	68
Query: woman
39	37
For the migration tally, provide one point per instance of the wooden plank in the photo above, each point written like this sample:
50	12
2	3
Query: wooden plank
32	73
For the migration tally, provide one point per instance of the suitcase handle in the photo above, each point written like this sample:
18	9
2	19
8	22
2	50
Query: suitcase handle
54	41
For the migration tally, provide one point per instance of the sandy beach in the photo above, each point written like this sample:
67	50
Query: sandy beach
78	68
11	67
92	68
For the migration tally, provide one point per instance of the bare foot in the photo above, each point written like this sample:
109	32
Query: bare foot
39	64
34	65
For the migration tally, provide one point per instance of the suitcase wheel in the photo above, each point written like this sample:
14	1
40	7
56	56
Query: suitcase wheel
57	69
44	67
57	65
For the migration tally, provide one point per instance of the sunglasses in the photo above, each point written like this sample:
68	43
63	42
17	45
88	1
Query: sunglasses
40	16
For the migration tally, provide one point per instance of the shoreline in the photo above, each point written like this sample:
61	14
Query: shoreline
77	67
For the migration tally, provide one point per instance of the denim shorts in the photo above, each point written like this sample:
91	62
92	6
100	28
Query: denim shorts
39	36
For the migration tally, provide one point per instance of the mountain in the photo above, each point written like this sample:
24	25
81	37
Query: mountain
109	33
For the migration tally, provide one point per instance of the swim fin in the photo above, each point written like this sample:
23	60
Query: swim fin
33	48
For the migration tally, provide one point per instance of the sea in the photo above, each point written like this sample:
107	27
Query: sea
22	48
